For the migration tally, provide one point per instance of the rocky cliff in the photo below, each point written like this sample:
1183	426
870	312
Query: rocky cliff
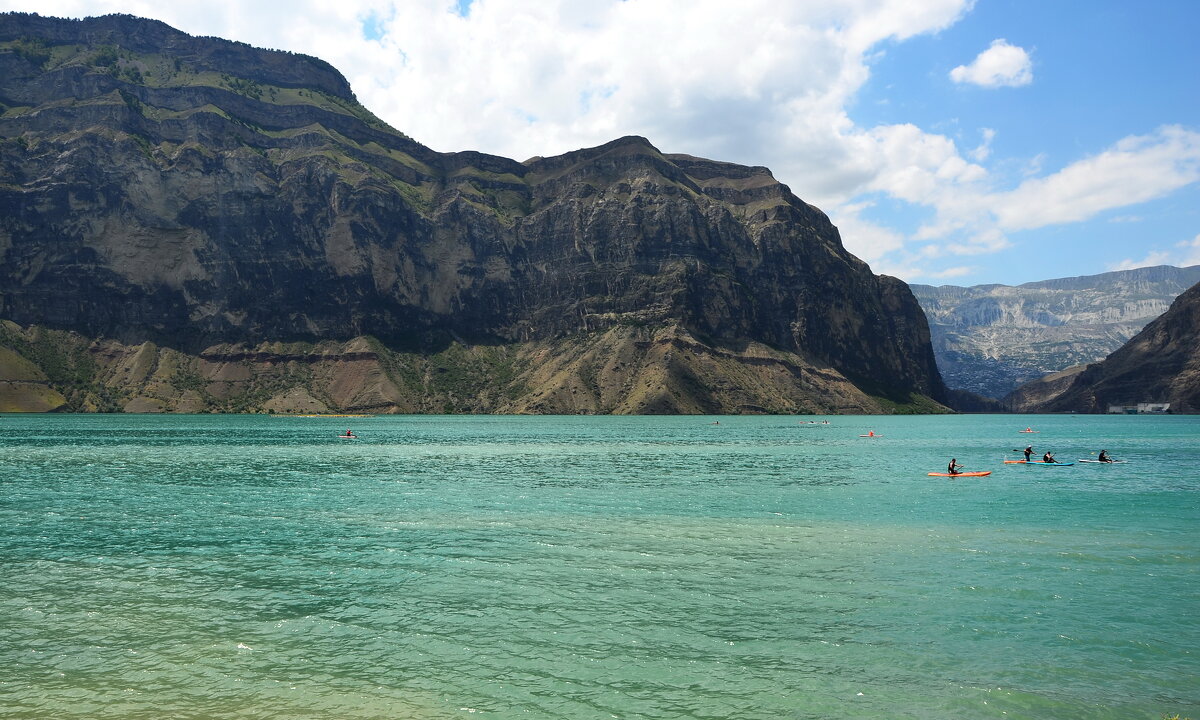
1036	394
1161	364
989	339
206	203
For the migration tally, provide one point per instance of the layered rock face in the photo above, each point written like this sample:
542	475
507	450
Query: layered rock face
989	339
191	193
1159	364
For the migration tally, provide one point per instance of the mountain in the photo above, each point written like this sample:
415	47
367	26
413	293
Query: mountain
989	339
1035	394
194	224
1161	364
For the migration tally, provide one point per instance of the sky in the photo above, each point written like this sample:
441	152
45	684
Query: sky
951	141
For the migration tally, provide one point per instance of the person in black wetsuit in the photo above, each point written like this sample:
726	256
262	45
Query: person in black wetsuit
953	467
1028	452
1104	456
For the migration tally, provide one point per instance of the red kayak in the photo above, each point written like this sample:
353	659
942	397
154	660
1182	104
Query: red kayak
966	474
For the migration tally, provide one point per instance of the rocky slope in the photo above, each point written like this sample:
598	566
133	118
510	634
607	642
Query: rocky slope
989	339
184	203
618	370
1035	394
1160	364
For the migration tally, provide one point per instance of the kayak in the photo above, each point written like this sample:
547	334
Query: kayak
348	437
870	436
1046	464
962	474
1101	462
1011	462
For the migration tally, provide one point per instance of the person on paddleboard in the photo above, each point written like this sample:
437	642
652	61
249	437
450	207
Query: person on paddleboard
1104	456
953	467
349	434
1048	458
1028	452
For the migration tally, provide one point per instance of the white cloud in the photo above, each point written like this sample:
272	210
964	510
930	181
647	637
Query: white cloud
1158	257
1184	254
984	150
916	166
869	241
912	272
1135	169
952	272
1190	252
1001	65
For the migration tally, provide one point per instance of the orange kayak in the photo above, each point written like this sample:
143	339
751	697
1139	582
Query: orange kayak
966	474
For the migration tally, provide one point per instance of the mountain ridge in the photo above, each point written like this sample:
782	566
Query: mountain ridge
165	194
991	338
1161	364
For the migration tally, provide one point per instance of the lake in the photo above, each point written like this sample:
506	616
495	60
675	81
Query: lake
597	567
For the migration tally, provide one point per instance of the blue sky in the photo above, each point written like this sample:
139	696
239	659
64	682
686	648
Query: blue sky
951	141
1115	70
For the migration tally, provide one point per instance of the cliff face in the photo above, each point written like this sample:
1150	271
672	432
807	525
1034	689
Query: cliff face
193	193
991	338
1160	364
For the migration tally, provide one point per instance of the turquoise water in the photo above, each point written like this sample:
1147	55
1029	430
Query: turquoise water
614	567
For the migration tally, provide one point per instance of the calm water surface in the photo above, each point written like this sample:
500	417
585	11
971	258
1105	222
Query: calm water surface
562	567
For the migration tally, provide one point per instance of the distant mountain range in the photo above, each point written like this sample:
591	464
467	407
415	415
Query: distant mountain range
1161	364
989	339
192	224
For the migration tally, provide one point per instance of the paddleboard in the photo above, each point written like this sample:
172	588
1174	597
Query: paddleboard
1100	462
1046	464
1028	431
1011	462
348	437
962	474
870	436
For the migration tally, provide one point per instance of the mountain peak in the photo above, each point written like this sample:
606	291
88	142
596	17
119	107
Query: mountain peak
142	36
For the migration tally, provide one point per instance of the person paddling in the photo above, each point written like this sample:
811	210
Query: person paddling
1104	456
1028	452
953	467
1048	458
